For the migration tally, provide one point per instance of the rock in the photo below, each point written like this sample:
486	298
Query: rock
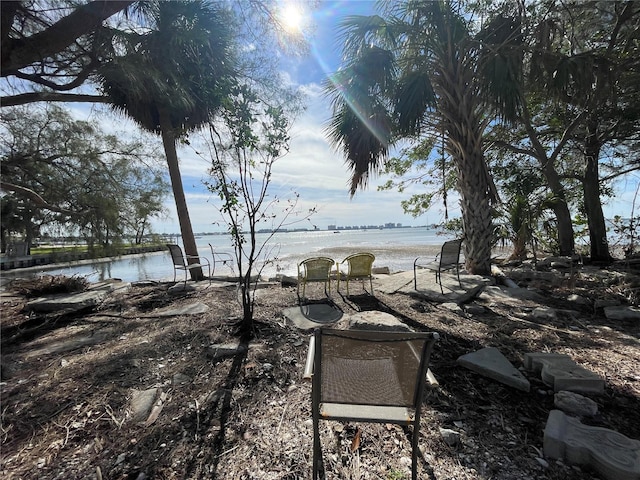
142	402
544	313
374	320
380	271
180	288
221	351
622	313
474	309
543	463
450	437
180	379
605	302
580	300
287	281
573	403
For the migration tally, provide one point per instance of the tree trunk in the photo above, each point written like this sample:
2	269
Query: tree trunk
560	208
464	129
476	216
188	239
592	205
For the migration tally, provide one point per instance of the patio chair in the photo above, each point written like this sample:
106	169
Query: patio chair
447	259
222	258
315	269
180	262
18	249
369	376
359	267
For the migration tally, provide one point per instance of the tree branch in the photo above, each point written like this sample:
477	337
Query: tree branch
19	53
24	98
34	197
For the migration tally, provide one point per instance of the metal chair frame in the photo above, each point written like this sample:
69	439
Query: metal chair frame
379	359
447	259
359	266
224	258
181	262
315	269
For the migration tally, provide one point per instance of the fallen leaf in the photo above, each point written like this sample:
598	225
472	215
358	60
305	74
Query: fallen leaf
355	443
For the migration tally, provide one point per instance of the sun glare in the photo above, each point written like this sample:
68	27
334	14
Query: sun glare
292	18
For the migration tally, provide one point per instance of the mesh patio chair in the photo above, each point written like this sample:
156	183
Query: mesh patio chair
447	259
315	269
369	376
221	258
359	266
180	262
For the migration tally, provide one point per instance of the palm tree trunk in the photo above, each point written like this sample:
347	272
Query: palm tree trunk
464	130
188	239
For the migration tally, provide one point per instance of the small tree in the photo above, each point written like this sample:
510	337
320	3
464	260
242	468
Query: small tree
243	152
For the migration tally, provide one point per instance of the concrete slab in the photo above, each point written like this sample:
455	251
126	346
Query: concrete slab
378	321
392	283
313	315
428	289
613	455
494	293
491	363
69	302
73	342
196	308
562	373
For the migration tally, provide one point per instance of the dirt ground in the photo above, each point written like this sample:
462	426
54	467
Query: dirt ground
66	414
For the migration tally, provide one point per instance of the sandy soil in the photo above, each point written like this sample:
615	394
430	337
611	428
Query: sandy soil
67	414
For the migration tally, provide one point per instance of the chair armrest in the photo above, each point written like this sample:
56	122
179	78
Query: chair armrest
199	258
311	353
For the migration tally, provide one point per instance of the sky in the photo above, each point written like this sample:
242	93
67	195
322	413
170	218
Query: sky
312	168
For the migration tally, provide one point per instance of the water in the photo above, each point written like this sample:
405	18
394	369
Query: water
393	248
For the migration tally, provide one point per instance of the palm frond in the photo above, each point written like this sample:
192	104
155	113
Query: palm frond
415	97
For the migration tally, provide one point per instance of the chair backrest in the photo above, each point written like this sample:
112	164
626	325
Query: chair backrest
450	253
176	254
224	258
360	264
317	268
17	249
371	367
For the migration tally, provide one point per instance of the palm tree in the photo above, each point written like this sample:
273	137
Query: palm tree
172	79
421	71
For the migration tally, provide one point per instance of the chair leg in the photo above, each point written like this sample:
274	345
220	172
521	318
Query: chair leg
317	452
439	280
371	285
414	448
